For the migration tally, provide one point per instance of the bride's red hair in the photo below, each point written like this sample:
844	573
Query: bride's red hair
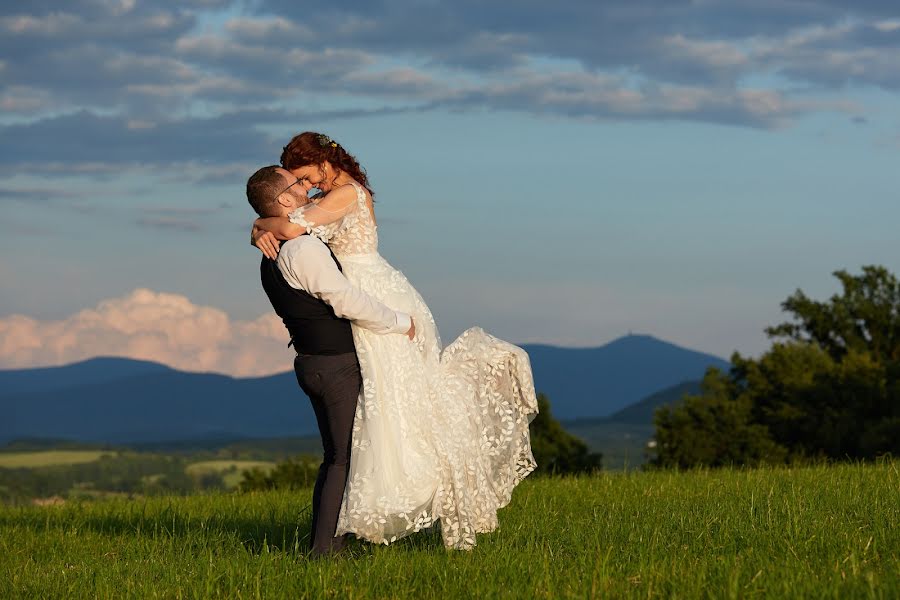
311	148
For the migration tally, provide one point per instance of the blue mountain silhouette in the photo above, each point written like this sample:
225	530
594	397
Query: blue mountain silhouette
120	400
596	382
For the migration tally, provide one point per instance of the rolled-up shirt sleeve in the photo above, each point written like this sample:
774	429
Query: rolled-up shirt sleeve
306	264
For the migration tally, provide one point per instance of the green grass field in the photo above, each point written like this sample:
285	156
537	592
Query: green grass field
49	458
817	532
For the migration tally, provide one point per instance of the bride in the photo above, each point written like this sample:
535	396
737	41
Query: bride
440	434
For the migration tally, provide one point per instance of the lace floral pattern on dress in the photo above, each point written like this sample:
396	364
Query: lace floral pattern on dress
324	232
359	234
327	224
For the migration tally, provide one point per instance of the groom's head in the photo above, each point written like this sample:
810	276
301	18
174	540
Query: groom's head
274	192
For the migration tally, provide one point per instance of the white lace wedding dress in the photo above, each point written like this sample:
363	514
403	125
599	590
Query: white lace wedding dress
439	434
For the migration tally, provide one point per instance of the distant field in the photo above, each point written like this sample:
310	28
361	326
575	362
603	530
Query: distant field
623	445
49	458
819	532
230	479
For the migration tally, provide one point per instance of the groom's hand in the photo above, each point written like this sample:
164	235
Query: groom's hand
411	334
265	241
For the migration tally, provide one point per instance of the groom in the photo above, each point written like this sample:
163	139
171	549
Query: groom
317	303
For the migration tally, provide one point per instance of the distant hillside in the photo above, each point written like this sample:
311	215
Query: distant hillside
641	413
596	382
125	401
161	406
622	436
92	371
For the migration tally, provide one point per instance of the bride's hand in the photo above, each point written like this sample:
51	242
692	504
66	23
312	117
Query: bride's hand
411	334
265	241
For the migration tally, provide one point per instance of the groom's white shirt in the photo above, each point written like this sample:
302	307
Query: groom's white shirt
306	264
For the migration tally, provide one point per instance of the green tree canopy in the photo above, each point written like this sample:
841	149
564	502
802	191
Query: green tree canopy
294	473
556	450
864	318
828	387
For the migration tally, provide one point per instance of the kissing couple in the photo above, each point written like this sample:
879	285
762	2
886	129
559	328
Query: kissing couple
414	434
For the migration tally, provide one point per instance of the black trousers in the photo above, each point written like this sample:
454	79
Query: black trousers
333	384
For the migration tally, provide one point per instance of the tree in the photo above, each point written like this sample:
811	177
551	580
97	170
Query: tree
556	450
293	473
713	429
864	318
828	387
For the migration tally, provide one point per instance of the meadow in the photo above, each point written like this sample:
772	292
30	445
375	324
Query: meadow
31	476
812	532
49	458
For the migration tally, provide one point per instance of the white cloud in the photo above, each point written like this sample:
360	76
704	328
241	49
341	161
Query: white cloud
46	25
154	326
24	99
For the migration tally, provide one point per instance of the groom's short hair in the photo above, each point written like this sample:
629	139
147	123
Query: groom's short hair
263	189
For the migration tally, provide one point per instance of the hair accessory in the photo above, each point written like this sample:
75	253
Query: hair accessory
324	140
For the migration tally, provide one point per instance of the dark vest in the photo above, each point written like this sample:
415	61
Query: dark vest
313	326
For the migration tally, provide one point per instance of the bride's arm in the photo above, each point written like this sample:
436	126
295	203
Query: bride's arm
335	205
280	227
326	210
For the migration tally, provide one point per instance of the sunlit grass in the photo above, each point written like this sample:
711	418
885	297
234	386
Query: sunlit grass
818	532
49	458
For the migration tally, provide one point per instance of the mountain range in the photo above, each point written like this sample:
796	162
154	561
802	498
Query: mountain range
597	382
118	400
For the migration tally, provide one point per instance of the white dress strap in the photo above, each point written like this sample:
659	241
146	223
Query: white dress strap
360	193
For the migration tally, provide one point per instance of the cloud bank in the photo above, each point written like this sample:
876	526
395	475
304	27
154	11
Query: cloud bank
154	326
120	82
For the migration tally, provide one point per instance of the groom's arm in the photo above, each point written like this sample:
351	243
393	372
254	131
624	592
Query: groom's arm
306	264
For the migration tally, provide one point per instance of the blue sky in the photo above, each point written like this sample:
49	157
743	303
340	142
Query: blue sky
558	173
